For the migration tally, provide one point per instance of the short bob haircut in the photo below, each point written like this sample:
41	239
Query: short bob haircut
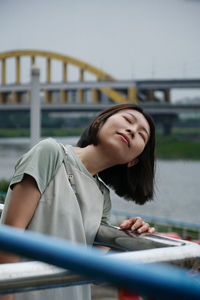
135	183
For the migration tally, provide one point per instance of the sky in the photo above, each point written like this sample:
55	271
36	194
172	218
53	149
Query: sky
129	39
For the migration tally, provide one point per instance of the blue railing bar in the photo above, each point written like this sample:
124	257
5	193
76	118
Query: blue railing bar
156	219
162	282
24	276
34	275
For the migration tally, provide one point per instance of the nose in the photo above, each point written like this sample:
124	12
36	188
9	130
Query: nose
131	132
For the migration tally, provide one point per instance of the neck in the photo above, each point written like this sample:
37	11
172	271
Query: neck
93	159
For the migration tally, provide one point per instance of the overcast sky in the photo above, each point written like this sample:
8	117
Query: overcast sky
126	38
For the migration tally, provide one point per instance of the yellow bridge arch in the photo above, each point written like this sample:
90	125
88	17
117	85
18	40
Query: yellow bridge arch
66	60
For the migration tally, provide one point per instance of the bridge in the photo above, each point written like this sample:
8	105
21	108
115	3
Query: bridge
82	94
103	89
15	93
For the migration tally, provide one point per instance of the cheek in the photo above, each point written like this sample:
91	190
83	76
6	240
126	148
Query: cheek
139	147
107	129
102	135
101	130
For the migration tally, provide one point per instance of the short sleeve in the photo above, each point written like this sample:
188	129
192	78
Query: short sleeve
41	162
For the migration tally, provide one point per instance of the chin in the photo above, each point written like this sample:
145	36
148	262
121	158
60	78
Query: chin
115	150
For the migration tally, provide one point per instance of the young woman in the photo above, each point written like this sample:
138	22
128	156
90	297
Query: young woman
62	190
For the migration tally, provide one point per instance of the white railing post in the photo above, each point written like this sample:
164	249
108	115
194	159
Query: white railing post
35	114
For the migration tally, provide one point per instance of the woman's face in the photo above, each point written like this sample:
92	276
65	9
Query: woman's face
124	136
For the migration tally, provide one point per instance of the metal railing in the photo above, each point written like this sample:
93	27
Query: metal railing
126	270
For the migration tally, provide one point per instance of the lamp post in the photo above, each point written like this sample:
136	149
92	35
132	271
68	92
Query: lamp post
35	116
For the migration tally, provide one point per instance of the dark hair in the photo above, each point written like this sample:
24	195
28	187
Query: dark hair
135	183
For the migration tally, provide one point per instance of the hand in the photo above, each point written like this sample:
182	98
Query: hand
138	225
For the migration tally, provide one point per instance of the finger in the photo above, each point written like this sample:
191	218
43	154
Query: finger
146	228
151	230
137	224
143	228
126	224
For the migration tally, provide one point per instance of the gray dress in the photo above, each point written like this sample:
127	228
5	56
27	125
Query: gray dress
61	212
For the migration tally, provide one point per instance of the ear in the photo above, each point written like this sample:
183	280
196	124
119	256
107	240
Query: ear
132	163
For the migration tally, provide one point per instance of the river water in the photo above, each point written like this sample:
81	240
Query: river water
176	193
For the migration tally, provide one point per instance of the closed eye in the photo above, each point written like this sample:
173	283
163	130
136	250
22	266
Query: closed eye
143	136
128	120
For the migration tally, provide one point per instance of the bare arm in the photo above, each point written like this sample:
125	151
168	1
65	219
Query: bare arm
22	206
23	203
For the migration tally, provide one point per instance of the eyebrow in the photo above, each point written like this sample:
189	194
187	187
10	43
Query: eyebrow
135	119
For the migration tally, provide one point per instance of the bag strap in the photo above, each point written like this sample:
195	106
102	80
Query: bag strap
68	168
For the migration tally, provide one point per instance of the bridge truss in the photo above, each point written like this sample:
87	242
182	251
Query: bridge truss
17	90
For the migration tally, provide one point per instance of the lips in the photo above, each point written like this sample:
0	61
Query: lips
125	138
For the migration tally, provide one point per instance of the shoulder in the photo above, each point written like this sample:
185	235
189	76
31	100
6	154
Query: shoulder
41	162
48	153
47	149
48	146
45	155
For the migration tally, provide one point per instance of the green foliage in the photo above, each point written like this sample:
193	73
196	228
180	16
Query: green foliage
4	184
61	132
186	131
11	132
23	132
183	143
173	147
18	120
10	120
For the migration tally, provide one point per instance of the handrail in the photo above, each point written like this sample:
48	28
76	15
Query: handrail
34	275
118	239
164	282
127	240
145	246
